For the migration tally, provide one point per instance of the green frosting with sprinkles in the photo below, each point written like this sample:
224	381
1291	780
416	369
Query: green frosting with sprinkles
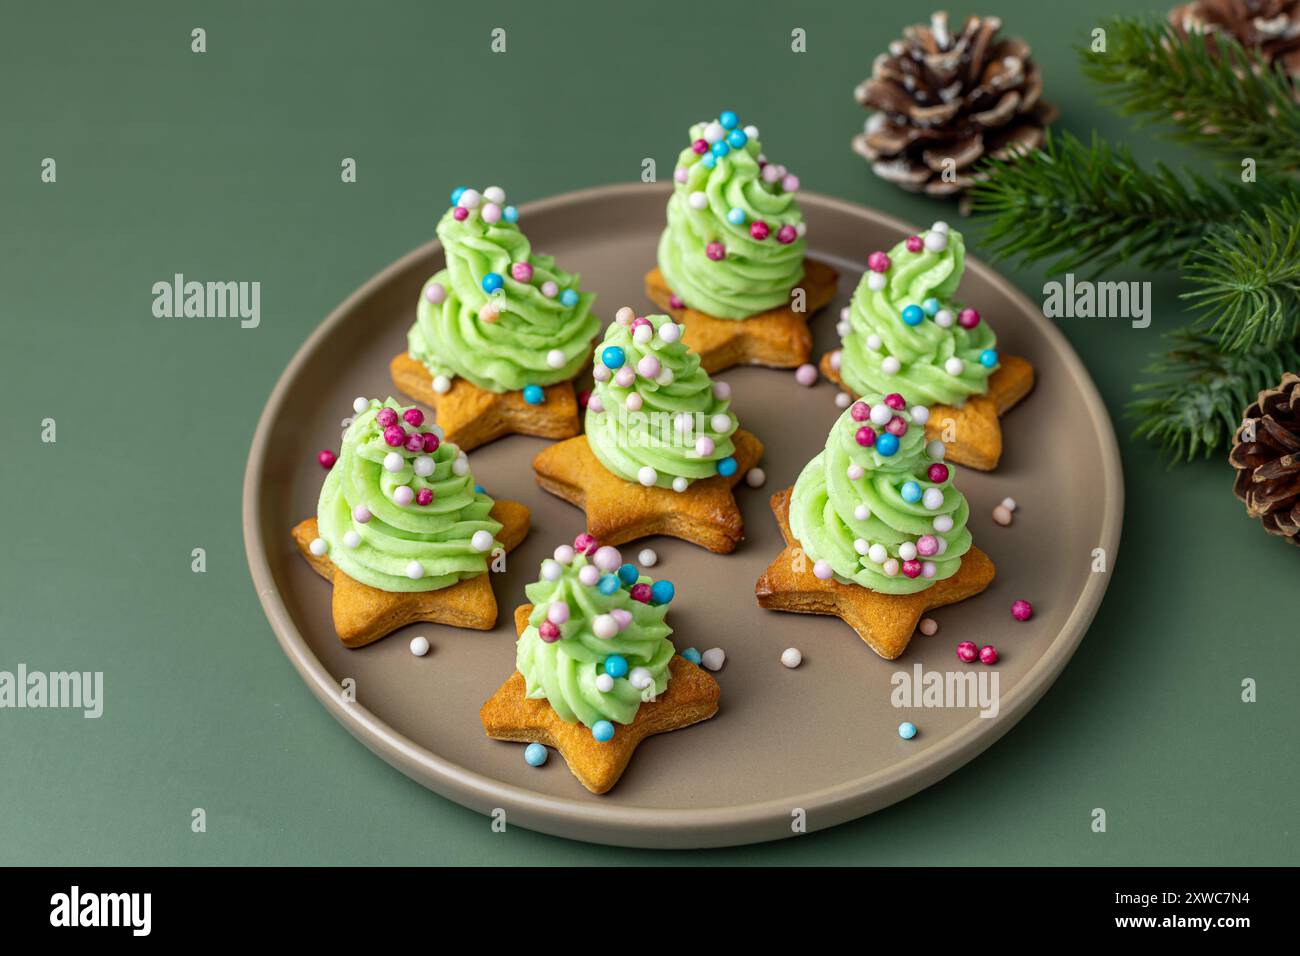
734	245
869	510
655	416
596	645
375	534
942	359
499	314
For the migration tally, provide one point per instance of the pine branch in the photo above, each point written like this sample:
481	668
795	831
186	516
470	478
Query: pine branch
1209	91
1197	404
1092	206
1248	279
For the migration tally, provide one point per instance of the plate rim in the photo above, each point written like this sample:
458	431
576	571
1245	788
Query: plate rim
697	827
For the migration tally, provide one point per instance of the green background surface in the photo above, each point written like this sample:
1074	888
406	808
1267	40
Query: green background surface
226	165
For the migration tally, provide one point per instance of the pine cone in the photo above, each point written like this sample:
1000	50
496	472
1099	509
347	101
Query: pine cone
942	96
1271	27
1268	468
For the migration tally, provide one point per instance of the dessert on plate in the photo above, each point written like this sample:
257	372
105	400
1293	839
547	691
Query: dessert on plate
732	266
595	671
905	332
403	532
500	332
662	450
875	531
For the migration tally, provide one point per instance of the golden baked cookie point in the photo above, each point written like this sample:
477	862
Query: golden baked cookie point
886	622
692	696
363	614
779	337
472	416
976	427
619	511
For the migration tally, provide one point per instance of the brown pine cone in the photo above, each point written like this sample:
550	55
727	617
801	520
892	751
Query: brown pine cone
1268	467
1272	27
940	96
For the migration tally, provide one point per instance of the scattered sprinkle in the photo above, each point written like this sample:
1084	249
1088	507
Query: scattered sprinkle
967	652
792	657
1009	504
929	626
755	477
1022	610
713	658
806	375
692	655
419	646
647	558
535	755
988	654
1002	515
907	730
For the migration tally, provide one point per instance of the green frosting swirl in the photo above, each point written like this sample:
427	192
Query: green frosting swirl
756	274
826	521
536	340
567	671
438	536
878	333
678	406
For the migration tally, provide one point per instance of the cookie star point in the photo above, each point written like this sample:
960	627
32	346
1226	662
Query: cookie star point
509	714
779	337
363	614
620	511
977	424
472	416
885	622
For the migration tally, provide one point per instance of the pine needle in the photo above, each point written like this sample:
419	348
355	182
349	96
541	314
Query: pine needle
1091	206
1197	403
1210	92
1248	279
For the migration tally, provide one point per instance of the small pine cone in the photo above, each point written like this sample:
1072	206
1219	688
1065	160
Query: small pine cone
943	100
1270	27
1266	454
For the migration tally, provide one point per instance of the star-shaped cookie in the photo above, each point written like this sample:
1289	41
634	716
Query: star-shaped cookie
778	337
885	621
472	416
619	511
975	428
692	696
362	614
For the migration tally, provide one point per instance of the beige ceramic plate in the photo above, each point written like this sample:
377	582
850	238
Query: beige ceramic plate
821	739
